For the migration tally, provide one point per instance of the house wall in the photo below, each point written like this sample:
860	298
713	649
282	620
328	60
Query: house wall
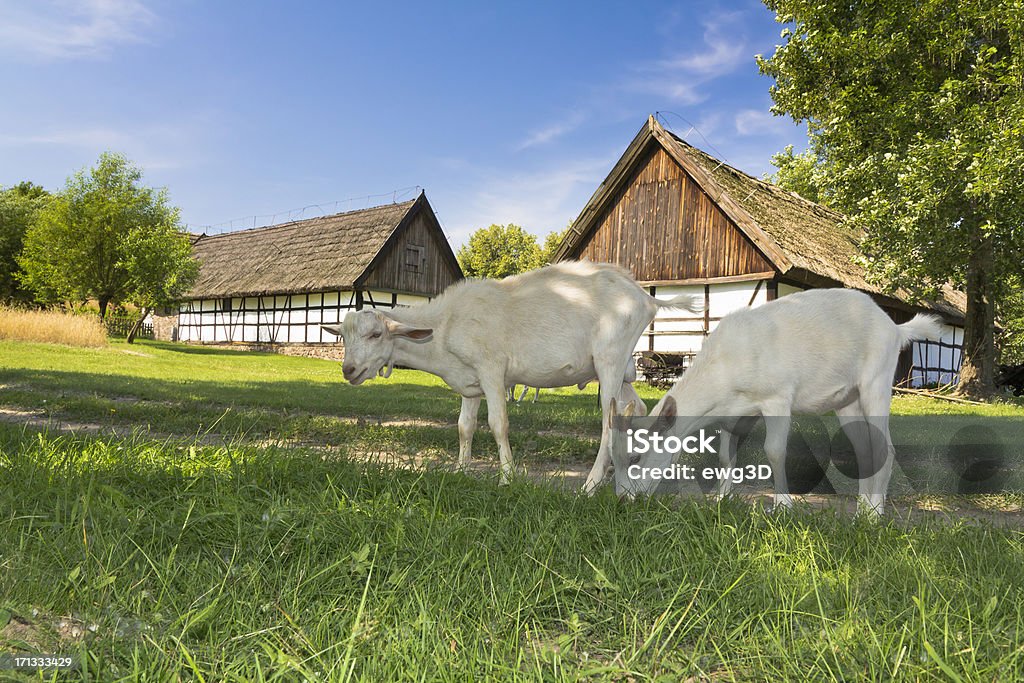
673	331
938	362
281	319
679	331
663	227
416	261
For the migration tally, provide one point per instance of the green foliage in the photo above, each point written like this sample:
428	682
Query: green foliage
19	206
800	173
551	244
499	251
915	110
106	237
502	250
1011	323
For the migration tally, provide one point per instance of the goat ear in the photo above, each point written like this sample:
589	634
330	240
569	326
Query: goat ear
402	330
333	329
625	410
667	416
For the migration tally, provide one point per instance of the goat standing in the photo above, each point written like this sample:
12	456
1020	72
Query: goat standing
811	352
584	321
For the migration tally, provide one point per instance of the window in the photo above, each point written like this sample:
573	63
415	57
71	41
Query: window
415	258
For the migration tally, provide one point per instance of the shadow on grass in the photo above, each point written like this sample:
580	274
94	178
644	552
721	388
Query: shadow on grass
385	400
321	397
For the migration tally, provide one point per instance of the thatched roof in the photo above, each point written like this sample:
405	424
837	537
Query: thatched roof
805	241
325	253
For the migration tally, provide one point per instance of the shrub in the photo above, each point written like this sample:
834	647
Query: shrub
51	327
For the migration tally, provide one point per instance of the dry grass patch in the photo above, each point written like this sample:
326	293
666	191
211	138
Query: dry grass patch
51	327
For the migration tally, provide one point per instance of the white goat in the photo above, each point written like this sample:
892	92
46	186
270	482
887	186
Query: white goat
584	320
810	352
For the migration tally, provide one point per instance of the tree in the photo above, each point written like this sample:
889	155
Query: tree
551	244
499	251
915	110
1010	317
106	237
800	173
160	267
19	206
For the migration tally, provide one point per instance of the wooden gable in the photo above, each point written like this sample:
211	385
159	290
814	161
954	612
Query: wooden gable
662	226
417	259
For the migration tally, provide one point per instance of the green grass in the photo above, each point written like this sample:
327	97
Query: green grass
245	563
228	558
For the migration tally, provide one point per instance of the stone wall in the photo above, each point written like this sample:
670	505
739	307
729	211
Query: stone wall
325	351
165	326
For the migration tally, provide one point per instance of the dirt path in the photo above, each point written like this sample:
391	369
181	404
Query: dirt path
563	476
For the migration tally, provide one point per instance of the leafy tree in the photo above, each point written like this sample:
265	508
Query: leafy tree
551	244
800	173
1010	317
106	237
499	251
915	110
19	206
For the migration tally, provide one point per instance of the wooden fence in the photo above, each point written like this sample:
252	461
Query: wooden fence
120	325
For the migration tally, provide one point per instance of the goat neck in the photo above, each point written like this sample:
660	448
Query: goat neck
418	355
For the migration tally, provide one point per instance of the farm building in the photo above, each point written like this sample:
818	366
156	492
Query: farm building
278	284
683	221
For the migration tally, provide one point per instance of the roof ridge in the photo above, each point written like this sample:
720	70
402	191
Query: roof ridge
288	224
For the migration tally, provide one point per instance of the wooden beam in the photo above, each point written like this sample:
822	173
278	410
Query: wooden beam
725	279
707	309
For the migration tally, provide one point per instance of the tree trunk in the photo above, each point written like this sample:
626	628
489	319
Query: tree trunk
137	326
977	373
103	301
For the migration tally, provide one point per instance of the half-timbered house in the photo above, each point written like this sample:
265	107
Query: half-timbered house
683	221
279	284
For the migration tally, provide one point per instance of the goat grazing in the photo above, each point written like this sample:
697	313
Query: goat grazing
584	320
811	352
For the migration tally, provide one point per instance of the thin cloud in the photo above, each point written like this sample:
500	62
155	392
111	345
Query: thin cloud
551	132
721	55
680	79
98	138
64	29
758	122
153	146
540	201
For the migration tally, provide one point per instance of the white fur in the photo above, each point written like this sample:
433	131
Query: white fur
583	318
810	352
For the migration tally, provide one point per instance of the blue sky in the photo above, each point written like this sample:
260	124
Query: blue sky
502	112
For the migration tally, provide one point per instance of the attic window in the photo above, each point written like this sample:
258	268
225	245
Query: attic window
415	258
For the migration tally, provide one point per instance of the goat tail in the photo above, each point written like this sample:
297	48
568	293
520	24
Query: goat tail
687	301
921	326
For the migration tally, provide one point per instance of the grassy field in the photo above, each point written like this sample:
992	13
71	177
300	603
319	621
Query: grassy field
222	516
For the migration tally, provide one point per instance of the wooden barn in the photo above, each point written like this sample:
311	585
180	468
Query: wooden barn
683	221
278	284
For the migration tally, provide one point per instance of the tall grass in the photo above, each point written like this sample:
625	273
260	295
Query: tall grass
51	327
